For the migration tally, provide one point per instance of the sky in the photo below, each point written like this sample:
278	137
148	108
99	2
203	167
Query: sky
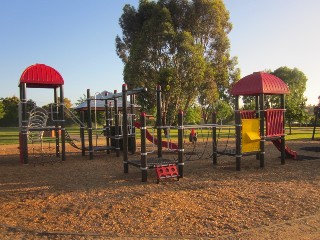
77	38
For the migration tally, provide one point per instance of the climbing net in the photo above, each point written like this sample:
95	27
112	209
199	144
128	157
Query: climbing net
169	144
199	141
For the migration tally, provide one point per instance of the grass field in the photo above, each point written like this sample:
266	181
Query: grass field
10	135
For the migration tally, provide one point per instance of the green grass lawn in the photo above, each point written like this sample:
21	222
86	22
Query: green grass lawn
10	135
302	133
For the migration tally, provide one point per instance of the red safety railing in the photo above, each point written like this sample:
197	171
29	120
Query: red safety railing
274	122
248	114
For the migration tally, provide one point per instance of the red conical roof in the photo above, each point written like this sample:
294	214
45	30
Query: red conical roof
259	82
41	76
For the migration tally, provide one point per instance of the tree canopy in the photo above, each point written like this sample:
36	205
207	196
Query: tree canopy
10	112
295	100
1	110
180	45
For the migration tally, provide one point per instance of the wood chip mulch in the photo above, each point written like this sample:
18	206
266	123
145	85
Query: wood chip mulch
93	199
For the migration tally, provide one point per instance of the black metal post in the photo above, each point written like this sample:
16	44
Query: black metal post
63	127
116	125
143	163
256	98
125	128
89	124
55	111
107	124
238	134
24	125
283	138
180	144
159	121
316	114
214	140
83	145
133	119
262	134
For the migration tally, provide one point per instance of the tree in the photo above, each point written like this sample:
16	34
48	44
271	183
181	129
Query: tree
295	100
193	115
223	110
81	99
180	45
309	117
67	103
1	110
248	102
10	109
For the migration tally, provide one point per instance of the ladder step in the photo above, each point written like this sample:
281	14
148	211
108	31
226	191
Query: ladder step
167	171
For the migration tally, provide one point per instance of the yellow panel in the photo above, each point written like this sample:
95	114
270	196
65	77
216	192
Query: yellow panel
253	136
250	135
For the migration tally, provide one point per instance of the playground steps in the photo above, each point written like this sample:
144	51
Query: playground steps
70	140
166	172
289	152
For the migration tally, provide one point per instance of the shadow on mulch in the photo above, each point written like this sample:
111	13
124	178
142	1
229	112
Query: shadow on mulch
304	158
10	160
311	149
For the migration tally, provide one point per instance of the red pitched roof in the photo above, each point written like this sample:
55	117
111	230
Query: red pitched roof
259	82
41	76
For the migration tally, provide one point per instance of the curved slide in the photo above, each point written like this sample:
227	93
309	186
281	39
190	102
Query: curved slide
155	141
289	152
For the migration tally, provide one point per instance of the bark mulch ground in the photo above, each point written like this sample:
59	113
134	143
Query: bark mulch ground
93	199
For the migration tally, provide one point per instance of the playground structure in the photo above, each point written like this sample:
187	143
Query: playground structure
34	125
114	127
111	132
166	167
252	127
272	121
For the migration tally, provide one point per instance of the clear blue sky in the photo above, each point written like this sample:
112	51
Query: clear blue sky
77	38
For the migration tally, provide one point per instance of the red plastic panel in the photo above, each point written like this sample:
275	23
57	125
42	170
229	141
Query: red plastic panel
248	114
41	76
167	171
258	83
274	122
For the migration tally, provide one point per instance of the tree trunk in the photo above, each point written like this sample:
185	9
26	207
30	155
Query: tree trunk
164	123
290	125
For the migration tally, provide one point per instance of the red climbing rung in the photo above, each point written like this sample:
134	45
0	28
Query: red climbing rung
274	122
167	171
248	114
